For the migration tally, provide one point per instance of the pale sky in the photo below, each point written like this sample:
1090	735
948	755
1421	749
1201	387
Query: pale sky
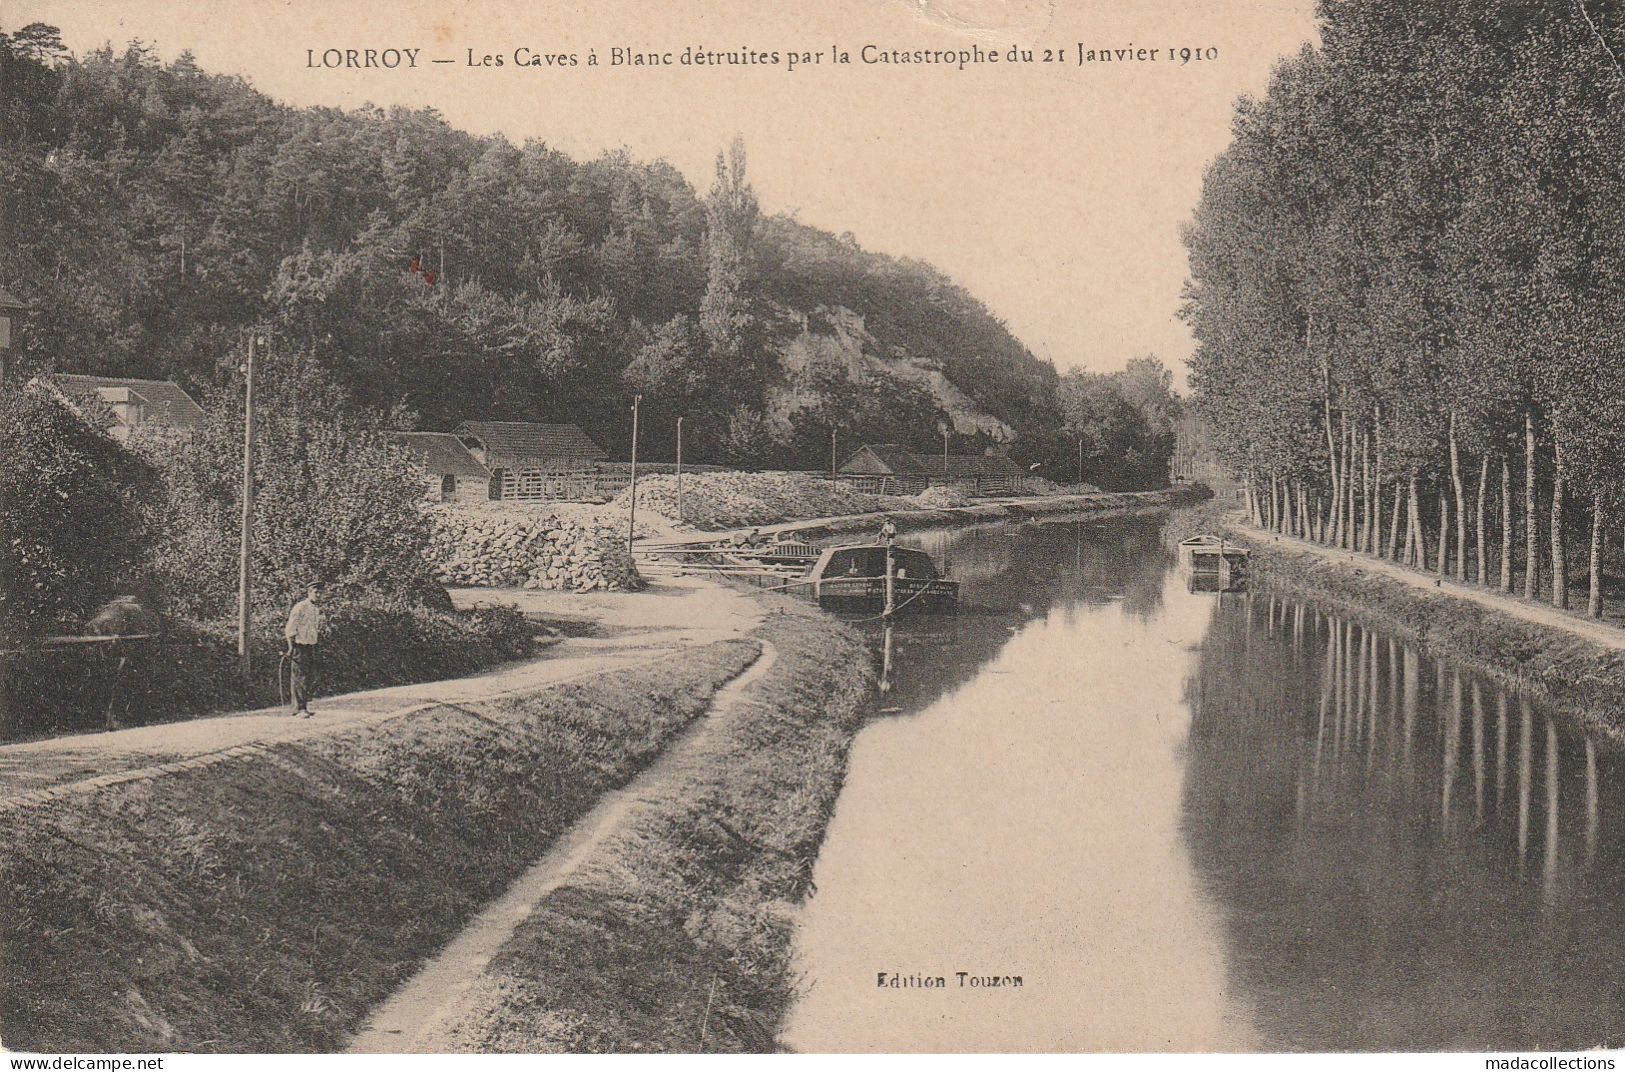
1053	192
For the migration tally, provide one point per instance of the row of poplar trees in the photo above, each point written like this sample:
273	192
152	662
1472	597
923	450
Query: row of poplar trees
1408	288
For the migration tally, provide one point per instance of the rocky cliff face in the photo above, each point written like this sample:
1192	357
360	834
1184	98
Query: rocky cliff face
836	337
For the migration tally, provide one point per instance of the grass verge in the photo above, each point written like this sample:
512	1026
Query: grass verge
676	934
1580	676
266	902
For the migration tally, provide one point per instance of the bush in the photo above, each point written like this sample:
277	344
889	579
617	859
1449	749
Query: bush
73	514
193	670
335	499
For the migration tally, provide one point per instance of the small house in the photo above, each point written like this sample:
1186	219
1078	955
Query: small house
158	406
886	469
451	473
892	469
531	461
983	474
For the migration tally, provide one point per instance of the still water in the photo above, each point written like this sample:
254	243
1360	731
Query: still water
1189	821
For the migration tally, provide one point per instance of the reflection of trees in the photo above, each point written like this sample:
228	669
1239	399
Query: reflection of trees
1011	574
1005	566
1404	855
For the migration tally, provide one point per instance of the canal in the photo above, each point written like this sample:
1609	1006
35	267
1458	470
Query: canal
1194	822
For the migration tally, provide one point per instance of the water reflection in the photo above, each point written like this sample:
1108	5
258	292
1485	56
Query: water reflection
1203	822
1347	799
1020	815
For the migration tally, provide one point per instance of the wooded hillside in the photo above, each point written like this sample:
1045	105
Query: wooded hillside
154	210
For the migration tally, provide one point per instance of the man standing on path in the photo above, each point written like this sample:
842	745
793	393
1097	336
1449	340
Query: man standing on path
303	631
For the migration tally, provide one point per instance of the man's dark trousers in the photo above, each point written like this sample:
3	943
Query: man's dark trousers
303	685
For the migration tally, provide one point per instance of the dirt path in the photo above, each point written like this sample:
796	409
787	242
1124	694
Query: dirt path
620	629
417	1017
1608	636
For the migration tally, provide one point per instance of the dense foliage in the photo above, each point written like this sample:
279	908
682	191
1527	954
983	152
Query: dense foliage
75	514
1123	424
334	500
167	208
1408	286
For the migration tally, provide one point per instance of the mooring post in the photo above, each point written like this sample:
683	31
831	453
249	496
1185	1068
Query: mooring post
891	582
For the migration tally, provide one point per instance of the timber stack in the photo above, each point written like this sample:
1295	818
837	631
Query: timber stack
537	551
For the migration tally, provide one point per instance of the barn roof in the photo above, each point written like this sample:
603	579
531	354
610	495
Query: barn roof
166	403
528	441
894	458
964	465
902	461
441	453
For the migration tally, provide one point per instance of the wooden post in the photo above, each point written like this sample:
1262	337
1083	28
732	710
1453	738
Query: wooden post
886	660
246	545
679	470
891	583
632	511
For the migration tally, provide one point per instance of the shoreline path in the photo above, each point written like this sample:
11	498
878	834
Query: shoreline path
617	629
1604	633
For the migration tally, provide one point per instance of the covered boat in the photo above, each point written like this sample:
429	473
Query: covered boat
852	577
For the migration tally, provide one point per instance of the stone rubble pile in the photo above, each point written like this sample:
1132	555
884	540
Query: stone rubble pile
529	551
729	500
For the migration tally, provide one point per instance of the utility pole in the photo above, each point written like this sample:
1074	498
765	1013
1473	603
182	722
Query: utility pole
1080	459
679	470
832	453
246	546
945	430
632	513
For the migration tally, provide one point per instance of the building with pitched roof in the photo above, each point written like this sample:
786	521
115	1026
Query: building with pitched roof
529	460
159	406
894	469
451	473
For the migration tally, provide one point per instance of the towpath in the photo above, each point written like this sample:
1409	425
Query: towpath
1609	636
603	630
421	1016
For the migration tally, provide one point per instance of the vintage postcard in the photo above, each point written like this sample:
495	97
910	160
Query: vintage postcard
833	526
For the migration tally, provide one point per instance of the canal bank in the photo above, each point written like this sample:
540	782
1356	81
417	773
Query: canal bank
1199	821
268	900
1576	663
1094	505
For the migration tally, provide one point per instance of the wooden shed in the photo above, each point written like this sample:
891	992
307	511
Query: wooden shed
531	461
892	469
886	469
451	473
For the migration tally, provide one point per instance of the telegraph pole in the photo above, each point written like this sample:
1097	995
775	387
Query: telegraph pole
945	453
832	452
679	470
632	513
1080	460
246	547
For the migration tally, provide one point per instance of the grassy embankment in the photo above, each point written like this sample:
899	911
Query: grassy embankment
676	934
268	901
1577	674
